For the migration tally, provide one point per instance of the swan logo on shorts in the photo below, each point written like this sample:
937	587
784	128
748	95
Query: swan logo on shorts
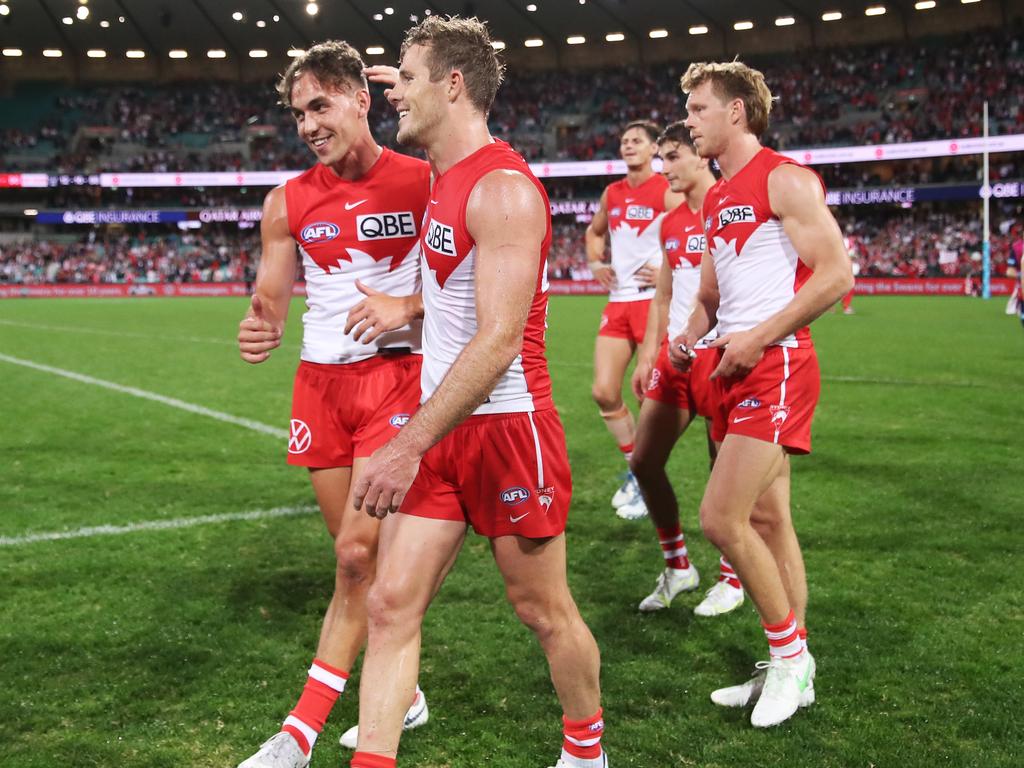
779	414
300	438
319	232
655	379
545	496
399	420
750	402
514	495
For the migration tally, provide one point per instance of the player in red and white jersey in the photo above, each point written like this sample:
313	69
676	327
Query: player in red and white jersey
630	213
775	262
671	399
354	220
486	447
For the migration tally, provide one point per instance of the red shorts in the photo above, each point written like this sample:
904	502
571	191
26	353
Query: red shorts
690	391
348	410
625	320
774	402
506	474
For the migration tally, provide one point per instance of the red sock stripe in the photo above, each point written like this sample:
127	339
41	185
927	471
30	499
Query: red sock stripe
672	541
784	638
299	736
582	738
626	448
370	760
727	574
333	670
314	706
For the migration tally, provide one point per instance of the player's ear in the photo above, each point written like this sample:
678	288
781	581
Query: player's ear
363	102
456	84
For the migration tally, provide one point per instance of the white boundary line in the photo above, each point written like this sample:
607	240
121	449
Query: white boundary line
155	525
120	334
200	410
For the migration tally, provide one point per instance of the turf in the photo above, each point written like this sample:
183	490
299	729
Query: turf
186	647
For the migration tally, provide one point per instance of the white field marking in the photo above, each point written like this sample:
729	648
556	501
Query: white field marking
256	426
155	525
121	334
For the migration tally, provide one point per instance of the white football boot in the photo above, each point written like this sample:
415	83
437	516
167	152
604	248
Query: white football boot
599	762
670	583
417	715
720	599
628	492
752	690
788	686
279	751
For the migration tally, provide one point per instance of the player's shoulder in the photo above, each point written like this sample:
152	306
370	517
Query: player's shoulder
306	177
403	163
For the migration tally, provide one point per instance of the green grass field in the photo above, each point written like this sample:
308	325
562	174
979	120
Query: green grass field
187	646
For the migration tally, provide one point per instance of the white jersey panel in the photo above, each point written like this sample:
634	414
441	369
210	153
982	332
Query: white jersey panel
632	248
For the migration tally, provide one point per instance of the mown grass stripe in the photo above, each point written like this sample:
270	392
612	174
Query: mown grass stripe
155	525
173	402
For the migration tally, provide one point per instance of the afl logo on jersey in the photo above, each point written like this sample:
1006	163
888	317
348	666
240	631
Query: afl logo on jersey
319	232
735	215
399	420
672	244
515	495
440	238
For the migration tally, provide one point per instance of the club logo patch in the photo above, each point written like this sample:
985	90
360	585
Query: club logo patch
779	414
299	438
514	496
319	232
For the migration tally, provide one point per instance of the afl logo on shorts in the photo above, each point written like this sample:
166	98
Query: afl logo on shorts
319	232
750	402
515	495
399	420
300	438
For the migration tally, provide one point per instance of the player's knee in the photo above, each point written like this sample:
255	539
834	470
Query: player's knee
608	400
717	529
356	560
643	467
391	604
539	616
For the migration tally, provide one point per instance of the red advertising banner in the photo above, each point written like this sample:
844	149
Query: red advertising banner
866	286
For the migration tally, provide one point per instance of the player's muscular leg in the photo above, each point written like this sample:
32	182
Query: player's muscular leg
415	553
535	582
658	430
772	520
343	632
744	469
611	359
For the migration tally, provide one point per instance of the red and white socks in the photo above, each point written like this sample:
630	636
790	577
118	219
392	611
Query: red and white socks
581	742
370	760
324	685
784	639
727	574
627	451
673	547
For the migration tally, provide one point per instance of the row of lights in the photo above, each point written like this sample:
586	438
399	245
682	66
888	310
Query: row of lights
239	16
177	53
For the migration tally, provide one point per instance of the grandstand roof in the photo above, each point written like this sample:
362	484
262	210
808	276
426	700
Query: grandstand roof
158	26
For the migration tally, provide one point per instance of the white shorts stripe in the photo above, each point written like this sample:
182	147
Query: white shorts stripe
540	457
782	388
302	728
331	680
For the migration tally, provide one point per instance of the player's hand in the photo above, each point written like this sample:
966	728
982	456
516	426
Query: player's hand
386	479
647	276
604	274
256	334
641	376
378	313
382	73
680	352
743	350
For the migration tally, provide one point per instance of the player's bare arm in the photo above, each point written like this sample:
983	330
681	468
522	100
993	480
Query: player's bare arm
702	319
380	312
797	198
657	327
596	241
261	329
507	218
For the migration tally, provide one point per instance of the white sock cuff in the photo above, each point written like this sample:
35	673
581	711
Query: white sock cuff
328	678
302	728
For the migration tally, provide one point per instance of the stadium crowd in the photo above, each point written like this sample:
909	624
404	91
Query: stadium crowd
878	94
926	242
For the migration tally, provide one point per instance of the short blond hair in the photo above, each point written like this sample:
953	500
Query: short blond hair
734	80
462	44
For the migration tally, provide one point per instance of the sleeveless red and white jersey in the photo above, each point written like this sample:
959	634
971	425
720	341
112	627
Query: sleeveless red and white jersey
757	267
634	217
449	287
366	229
682	237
